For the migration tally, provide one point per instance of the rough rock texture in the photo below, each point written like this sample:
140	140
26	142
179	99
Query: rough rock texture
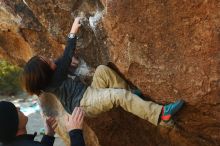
170	49
167	48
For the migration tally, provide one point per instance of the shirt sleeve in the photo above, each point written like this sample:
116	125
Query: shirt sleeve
76	137
64	62
48	140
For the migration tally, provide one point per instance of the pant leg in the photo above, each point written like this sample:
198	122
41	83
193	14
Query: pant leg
96	101
105	77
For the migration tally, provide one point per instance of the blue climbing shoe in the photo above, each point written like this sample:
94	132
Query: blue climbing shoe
137	92
169	110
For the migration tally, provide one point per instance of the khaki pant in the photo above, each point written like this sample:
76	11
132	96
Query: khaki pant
108	90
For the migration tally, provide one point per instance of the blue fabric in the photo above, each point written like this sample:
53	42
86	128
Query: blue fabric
8	121
68	91
28	140
48	140
172	108
76	137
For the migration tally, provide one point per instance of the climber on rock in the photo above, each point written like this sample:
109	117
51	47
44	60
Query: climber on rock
13	127
107	90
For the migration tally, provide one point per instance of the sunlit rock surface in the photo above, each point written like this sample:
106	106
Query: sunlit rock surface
169	49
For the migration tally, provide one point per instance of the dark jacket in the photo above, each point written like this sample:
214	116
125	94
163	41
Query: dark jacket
76	139
69	91
28	140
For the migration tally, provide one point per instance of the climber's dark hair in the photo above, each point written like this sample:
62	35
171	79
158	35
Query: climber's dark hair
36	75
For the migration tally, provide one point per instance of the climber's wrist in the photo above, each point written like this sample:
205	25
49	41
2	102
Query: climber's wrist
71	35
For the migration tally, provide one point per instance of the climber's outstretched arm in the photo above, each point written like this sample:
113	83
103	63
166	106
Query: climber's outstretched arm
65	61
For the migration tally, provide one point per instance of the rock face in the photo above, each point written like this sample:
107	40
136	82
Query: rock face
169	49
